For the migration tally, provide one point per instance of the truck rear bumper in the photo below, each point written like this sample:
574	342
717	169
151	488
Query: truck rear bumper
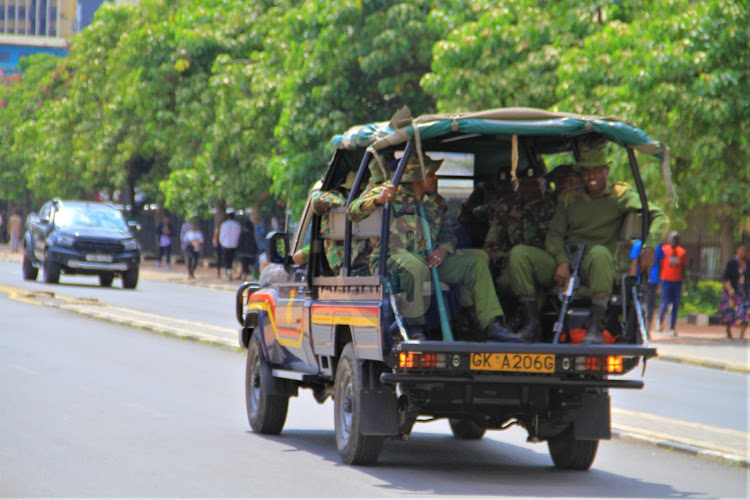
405	378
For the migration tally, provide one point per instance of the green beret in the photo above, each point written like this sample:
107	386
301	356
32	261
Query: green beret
413	170
593	158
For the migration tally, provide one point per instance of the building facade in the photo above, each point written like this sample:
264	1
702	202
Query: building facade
32	26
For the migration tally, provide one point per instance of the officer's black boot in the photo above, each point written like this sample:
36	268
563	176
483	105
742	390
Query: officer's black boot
597	320
497	332
533	328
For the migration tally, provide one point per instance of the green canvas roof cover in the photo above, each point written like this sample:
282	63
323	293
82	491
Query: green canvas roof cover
503	121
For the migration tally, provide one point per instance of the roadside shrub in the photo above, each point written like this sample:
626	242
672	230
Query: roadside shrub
703	298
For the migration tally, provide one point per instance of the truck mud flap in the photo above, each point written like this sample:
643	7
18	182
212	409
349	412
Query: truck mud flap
593	419
379	412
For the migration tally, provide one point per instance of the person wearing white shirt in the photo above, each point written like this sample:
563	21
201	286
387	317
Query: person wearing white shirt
191	243
229	238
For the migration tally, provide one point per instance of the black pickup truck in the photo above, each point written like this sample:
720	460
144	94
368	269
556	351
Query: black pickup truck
80	237
338	334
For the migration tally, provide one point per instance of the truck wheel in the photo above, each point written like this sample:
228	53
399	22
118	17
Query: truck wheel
466	428
51	271
29	271
265	412
570	453
130	278
354	447
106	279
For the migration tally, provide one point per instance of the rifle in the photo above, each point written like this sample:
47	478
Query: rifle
445	325
573	282
399	321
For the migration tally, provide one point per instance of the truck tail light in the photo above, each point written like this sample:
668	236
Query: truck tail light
420	360
600	364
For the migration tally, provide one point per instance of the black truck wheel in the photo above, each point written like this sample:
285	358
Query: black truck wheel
570	453
265	412
130	278
51	271
466	428
29	271
106	279
354	447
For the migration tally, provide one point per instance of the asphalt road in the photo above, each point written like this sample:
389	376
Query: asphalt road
96	409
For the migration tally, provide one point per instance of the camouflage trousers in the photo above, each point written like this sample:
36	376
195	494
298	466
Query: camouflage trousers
466	268
531	268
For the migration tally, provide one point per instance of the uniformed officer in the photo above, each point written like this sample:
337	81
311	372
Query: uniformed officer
528	230
417	199
322	203
477	211
590	214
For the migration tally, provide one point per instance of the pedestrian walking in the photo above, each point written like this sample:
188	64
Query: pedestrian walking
229	238
15	229
192	243
652	286
672	275
735	296
247	249
164	235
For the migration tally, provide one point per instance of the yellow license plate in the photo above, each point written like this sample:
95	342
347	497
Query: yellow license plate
514	362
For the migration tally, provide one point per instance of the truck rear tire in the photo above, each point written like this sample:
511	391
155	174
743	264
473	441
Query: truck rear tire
29	271
354	447
570	453
266	413
466	428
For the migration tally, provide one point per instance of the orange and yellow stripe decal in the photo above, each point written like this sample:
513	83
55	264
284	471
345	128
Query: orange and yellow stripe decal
345	315
284	336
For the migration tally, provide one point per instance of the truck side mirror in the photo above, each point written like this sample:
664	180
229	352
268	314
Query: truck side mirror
277	248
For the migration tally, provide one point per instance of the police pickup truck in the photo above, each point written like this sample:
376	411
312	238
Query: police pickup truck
337	331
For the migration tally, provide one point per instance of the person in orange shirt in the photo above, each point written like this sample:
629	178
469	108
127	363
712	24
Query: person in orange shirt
672	274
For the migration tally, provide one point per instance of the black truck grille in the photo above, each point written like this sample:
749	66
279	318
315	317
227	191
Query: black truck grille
99	246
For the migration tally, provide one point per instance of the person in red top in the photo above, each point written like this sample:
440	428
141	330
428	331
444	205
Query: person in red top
672	274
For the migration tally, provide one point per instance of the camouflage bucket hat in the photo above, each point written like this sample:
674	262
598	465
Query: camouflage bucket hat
349	181
593	158
413	170
376	172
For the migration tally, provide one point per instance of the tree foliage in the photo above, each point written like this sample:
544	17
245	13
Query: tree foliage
193	102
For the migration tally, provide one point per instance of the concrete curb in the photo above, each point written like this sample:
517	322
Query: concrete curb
706	363
679	447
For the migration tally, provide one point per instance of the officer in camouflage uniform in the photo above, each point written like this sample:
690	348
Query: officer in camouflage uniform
591	214
408	252
322	203
477	210
515	228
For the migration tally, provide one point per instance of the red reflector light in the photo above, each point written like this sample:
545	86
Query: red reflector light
417	360
594	364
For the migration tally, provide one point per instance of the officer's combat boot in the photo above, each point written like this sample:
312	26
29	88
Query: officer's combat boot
533	328
497	332
597	320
